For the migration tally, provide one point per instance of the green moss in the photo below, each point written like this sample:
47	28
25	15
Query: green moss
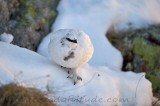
43	20
154	31
26	8
30	8
141	51
53	13
149	53
155	83
22	21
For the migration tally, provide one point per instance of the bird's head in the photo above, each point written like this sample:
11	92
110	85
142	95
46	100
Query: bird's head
70	40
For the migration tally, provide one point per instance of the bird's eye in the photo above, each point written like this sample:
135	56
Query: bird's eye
70	40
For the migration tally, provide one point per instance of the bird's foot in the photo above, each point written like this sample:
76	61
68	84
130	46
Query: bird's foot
74	77
68	69
77	79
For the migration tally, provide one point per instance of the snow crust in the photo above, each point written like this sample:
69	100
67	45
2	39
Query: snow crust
100	85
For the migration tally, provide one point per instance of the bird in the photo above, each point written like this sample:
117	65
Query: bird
70	49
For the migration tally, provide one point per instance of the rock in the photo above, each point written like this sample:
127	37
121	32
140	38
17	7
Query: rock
27	20
141	52
156	101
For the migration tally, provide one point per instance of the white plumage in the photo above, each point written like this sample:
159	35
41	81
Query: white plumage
70	48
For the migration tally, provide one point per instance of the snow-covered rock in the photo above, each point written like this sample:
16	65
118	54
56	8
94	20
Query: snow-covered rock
6	37
100	86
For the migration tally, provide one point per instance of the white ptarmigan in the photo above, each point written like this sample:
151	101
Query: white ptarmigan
70	48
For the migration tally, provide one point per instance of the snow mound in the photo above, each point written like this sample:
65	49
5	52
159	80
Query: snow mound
6	37
100	85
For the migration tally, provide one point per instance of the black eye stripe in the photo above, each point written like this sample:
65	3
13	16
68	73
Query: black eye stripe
70	40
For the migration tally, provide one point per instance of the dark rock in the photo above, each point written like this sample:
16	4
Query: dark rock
28	20
141	51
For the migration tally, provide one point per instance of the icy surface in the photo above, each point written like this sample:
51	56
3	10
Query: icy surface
96	17
100	86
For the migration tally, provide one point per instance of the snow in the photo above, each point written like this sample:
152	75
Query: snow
96	17
100	85
6	37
